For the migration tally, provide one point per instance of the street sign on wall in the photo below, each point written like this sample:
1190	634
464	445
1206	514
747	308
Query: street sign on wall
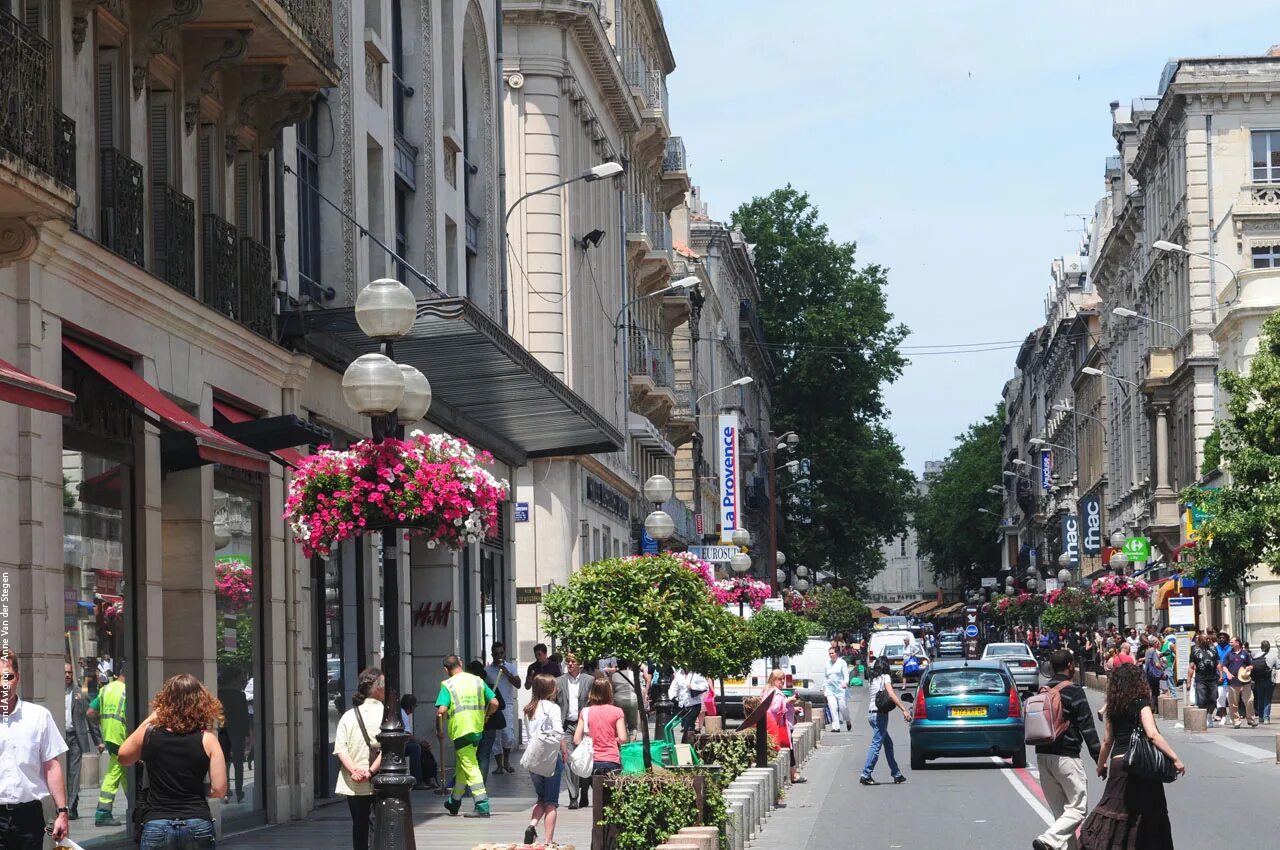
1091	525
730	477
714	554
1182	610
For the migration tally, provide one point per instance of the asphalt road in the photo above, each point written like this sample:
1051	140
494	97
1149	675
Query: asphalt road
1229	792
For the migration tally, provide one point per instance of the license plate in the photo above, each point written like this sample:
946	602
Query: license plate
977	711
728	682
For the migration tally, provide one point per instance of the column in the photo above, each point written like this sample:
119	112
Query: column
1162	448
186	530
433	580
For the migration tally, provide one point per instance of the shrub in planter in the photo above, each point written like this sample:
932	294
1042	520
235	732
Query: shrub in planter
733	753
643	810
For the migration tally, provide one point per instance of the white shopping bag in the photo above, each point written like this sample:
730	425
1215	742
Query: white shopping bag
68	844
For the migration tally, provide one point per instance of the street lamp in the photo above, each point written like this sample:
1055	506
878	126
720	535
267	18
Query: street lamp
781	559
740	562
789	440
741	538
997	490
1126	313
802	571
801	585
741	382
1117	538
1093	370
390	395
1040	442
659	525
1064	576
1174	248
680	285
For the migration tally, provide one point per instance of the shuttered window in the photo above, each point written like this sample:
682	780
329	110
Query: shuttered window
207	165
245	206
107	82
159	170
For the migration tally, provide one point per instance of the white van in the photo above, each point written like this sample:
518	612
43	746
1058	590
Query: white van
880	641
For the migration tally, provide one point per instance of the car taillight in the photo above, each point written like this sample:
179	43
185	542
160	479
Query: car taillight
1015	704
1027	664
919	709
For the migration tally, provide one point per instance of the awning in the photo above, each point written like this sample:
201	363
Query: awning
271	434
17	387
486	387
1169	587
877	614
911	607
207	444
931	605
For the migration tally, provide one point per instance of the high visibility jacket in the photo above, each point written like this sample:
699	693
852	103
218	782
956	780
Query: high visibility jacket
111	713
466	705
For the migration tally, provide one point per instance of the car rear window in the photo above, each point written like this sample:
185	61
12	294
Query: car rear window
893	650
1007	649
946	683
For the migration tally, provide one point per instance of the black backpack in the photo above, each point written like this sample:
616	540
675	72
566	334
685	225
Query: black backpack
1261	672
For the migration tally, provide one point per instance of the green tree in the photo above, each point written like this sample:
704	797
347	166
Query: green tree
779	633
957	538
729	649
1240	535
838	610
835	346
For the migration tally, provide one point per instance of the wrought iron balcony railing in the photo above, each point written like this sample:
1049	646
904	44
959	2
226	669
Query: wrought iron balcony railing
648	360
750	319
635	67
174	235
655	93
122	206
221	268
26	119
315	19
64	150
676	158
256	290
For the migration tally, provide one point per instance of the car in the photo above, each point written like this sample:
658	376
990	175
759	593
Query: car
896	655
1022	663
950	645
967	709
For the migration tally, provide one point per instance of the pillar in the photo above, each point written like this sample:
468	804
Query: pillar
1162	448
188	611
433	580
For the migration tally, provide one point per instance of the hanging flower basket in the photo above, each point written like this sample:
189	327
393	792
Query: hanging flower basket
731	591
1118	587
431	485
233	580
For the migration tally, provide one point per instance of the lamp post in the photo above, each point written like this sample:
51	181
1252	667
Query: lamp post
391	396
1173	248
658	524
740	562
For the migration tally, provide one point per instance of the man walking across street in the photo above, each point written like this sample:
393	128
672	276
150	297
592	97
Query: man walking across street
108	708
572	691
82	737
1061	767
29	768
1204	674
506	680
1238	668
465	703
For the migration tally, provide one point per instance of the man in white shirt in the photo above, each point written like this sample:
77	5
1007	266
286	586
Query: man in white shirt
505	677
30	770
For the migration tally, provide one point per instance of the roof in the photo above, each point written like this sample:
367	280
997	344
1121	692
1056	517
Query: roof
684	250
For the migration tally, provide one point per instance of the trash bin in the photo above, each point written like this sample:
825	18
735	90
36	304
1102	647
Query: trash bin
663	710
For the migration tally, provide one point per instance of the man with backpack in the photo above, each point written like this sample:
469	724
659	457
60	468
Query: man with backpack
1058	722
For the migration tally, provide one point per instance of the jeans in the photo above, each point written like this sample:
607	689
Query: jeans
22	827
880	738
548	787
361	807
188	834
484	752
1063	780
1262	693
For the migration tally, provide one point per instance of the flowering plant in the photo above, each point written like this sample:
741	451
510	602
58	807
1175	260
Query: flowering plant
740	589
1019	608
431	485
799	603
1071	608
1114	587
699	566
233	579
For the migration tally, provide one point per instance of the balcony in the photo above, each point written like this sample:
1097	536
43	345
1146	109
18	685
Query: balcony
256	288
652	378
36	181
174	238
675	173
221	267
291	30
648	243
749	322
122	206
683	423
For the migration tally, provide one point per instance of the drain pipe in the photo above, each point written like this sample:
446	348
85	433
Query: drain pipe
1213	253
500	112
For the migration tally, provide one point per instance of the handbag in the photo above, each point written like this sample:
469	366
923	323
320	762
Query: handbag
542	751
884	702
582	759
1144	759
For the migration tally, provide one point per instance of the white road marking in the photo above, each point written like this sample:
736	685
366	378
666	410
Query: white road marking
1025	794
1244	749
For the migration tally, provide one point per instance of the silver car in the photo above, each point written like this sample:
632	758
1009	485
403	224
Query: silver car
1020	661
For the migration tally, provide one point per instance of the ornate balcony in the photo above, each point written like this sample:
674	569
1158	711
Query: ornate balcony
256	290
64	150
122	206
220	283
648	243
174	236
652	378
675	173
683	423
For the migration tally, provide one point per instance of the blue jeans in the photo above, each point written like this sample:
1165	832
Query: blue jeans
484	752
190	834
880	738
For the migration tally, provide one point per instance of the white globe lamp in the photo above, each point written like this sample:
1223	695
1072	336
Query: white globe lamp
373	385
740	562
386	309
659	525
417	396
657	489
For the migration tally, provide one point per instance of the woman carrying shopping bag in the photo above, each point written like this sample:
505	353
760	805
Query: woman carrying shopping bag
544	755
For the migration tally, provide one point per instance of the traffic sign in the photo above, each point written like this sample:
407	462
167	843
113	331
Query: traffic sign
971	631
1137	549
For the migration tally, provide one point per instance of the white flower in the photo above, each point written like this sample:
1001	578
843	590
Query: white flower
431	544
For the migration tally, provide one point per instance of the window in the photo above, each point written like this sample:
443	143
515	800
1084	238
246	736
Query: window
207	153
401	225
1266	256
1266	156
902	546
108	85
308	201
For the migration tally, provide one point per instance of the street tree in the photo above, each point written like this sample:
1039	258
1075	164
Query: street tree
835	346
1241	534
779	633
838	610
959	539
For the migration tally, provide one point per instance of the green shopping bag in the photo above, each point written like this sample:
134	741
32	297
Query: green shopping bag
855	682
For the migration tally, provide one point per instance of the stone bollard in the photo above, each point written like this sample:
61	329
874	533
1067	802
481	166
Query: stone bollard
1195	719
1168	707
768	777
734	830
744	800
781	767
713	725
706	837
676	844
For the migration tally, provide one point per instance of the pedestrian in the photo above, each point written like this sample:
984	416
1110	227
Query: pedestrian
836	682
781	711
1169	653
881	683
1131	638
504	677
179	748
686	692
606	725
1152	666
542	717
1133	812
464	704
624	695
29	769
1203	674
1123	655
417	751
495	726
82	737
1062	773
541	663
573	690
108	708
234	734
358	752
1266	670
1238	668
1223	647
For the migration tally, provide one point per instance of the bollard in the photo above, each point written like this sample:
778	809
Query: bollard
768	777
1168	707
743	799
1195	719
733	828
706	837
676	844
713	725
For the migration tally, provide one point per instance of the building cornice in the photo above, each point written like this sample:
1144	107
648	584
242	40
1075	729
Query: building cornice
654	14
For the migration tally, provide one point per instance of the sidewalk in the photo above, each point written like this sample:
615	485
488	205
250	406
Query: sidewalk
511	799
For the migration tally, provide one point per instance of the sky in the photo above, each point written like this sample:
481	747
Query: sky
955	141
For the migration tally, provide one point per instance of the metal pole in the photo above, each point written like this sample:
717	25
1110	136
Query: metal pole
392	807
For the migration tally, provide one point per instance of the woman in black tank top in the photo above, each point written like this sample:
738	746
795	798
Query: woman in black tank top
179	748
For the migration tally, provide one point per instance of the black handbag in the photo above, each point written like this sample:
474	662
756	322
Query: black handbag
884	702
1144	759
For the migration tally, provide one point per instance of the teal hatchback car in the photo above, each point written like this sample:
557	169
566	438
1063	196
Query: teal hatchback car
967	709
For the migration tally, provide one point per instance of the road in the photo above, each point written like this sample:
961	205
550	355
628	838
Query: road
978	803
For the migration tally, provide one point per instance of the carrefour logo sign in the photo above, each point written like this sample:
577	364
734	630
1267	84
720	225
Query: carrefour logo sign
729	498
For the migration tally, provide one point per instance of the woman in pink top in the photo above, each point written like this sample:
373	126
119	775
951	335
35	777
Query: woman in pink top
607	726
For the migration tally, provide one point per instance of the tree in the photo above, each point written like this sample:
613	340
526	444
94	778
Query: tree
1242	531
957	538
838	611
779	633
729	649
835	346
1071	608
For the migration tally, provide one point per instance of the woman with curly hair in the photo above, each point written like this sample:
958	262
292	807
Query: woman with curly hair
179	748
1132	813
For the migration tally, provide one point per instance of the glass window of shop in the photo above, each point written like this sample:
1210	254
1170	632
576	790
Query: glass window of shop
100	619
238	593
339	629
493	575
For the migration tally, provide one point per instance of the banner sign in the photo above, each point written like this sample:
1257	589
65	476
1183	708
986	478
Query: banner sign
988	581
1091	522
713	554
1071	538
1137	550
1046	469
727	460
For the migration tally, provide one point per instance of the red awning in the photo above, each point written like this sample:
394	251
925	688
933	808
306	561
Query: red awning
235	415
211	446
18	387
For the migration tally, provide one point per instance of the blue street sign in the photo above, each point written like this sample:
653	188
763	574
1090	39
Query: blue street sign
522	512
648	545
971	631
